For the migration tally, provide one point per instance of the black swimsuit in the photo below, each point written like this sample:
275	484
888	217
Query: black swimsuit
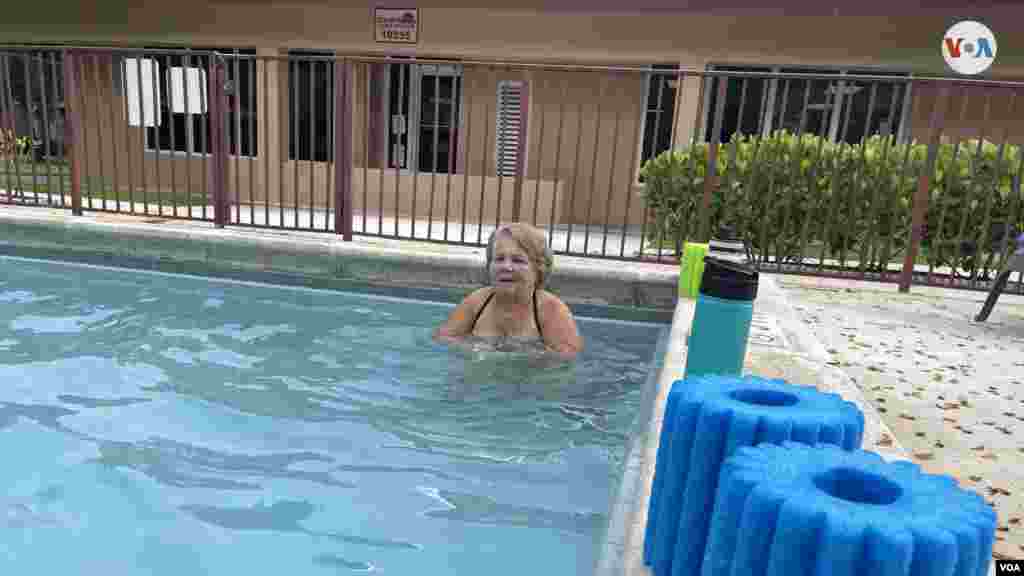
536	314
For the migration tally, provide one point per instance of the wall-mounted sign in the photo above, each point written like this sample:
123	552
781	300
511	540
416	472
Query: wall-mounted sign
396	25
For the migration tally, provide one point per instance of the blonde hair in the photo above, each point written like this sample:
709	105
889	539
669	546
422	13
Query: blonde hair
532	241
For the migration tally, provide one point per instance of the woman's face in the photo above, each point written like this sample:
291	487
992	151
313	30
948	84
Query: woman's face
511	268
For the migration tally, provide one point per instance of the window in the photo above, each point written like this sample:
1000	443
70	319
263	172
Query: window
168	94
509	131
424	105
659	110
311	106
836	107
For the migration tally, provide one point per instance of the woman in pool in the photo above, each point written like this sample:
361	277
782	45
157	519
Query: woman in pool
515	305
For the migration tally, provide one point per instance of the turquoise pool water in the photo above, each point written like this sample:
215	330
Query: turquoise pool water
161	424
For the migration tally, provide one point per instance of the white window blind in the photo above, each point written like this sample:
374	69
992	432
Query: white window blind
196	90
510	130
144	107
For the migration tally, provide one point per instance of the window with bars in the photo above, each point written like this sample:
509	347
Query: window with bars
659	110
510	128
840	105
422	114
311	106
167	93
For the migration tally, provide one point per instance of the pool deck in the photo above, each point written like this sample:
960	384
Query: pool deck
784	343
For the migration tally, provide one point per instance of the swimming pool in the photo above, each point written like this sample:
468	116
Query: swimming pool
165	424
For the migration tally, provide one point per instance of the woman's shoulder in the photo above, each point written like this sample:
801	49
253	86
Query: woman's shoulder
476	298
550	301
478	295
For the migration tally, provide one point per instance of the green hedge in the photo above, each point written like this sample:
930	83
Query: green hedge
846	201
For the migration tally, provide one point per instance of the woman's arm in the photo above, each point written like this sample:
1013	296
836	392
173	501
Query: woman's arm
460	322
560	332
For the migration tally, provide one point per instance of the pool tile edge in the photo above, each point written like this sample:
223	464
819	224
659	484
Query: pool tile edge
327	255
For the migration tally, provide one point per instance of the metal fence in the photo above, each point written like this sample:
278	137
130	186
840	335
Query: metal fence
861	174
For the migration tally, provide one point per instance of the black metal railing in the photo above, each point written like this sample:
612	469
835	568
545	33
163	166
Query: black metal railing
866	174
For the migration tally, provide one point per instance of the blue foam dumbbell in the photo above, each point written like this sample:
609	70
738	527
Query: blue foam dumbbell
706	419
821	511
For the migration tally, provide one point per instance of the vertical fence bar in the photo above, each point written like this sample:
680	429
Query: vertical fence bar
415	88
12	108
684	232
635	151
158	148
916	103
433	156
143	129
343	149
781	252
402	68
218	138
235	194
986	227
44	106
386	148
938	244
295	148
314	65
114	140
558	163
575	175
769	196
730	172
7	131
876	240
454	131
860	177
253	153
332	148
498	159
265	146
672	146
189	135
921	196
62	154
26	63
368	77
602	92
711	170
813	189
484	163
524	124
467	141
172	153
204	126
343	139
81	64
284	145
1018	200
47	140
845	123
611	171
72	128
538	176
969	199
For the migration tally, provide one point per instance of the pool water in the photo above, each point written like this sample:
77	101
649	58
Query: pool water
162	424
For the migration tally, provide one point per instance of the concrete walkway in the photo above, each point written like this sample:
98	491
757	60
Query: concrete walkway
949	388
595	239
